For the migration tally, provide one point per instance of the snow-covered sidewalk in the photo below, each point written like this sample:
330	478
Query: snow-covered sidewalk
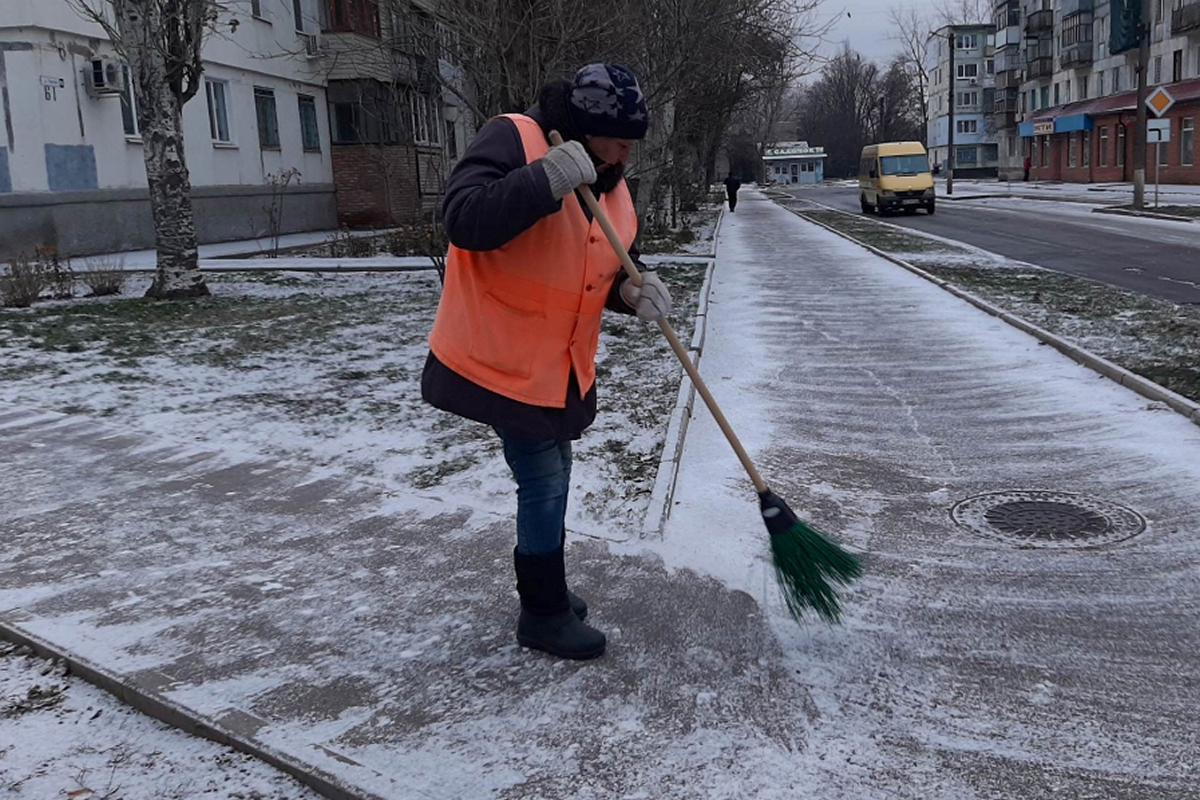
366	637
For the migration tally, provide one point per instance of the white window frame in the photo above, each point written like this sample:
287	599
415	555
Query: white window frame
1187	142
214	128
128	96
962	71
1103	139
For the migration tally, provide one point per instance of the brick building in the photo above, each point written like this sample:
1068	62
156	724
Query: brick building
1077	102
395	131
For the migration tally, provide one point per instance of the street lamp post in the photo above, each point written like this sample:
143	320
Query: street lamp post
950	124
1139	133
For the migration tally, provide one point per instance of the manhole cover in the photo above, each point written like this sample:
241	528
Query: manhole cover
1047	519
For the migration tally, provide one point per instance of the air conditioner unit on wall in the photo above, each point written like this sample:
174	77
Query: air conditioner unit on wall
102	77
313	46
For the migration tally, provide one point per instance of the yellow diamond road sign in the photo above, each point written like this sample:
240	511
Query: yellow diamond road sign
1160	101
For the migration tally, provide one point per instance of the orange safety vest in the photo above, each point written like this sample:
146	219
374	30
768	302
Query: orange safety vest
517	319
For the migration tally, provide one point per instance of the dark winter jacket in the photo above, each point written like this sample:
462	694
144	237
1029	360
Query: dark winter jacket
492	197
732	185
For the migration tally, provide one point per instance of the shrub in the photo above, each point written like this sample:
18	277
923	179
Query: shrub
21	283
57	272
104	275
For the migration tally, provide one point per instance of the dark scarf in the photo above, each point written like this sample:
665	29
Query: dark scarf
552	114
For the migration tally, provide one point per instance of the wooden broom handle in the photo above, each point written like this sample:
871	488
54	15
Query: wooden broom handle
598	214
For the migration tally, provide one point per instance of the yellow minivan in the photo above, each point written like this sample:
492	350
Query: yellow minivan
894	176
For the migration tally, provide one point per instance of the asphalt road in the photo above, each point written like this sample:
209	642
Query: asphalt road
1154	257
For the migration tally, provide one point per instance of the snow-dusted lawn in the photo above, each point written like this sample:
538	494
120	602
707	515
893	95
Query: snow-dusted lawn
325	371
63	738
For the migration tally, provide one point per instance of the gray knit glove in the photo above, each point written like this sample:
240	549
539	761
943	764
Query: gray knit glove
568	165
651	301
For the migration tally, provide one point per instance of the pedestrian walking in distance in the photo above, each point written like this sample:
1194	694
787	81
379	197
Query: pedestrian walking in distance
528	274
732	185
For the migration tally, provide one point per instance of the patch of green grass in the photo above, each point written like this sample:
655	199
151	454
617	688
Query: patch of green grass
1178	211
885	237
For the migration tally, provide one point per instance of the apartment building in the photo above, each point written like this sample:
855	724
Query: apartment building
72	174
397	119
1077	95
970	86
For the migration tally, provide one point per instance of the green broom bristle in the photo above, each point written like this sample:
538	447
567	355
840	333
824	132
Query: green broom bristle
808	564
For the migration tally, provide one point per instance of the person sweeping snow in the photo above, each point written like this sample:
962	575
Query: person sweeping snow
528	275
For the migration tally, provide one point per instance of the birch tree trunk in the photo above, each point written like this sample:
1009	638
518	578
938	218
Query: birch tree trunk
158	86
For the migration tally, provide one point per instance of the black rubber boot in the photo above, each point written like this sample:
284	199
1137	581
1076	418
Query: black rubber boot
547	620
577	603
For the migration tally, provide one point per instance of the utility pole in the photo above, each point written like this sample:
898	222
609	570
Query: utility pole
950	124
1139	133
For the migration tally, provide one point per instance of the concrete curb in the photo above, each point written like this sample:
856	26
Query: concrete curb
234	729
663	493
1126	212
1146	388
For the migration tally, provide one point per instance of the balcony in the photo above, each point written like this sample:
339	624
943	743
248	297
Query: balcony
1039	68
1039	22
1076	55
351	16
1186	19
1008	79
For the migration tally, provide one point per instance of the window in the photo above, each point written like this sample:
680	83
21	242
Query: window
1057	95
218	110
451	140
1045	97
1177	66
1157	69
968	98
1085	152
903	165
1082	86
1116	79
990	66
1187	141
1102	156
268	122
968	70
966	126
309	133
1099	84
426	119
966	41
1072	149
128	104
966	156
1120	145
298	14
352	16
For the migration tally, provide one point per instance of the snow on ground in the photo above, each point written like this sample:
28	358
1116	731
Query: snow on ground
63	738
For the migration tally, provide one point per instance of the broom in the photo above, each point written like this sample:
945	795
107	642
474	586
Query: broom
808	563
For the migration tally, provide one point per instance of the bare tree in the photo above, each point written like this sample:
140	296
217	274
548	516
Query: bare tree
963	12
161	42
912	30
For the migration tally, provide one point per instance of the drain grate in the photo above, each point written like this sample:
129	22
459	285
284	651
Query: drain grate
1047	519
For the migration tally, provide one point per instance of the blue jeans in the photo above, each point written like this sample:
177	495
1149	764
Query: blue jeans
542	469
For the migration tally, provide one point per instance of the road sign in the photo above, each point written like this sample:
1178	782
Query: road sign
1158	131
1160	101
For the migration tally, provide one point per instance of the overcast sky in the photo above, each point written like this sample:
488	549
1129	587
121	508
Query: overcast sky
867	28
